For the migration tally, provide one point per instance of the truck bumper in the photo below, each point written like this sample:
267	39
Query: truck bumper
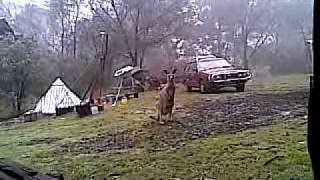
226	83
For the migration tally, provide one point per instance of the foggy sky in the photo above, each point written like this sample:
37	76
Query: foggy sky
23	2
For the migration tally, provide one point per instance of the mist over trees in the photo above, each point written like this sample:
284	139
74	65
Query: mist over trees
64	39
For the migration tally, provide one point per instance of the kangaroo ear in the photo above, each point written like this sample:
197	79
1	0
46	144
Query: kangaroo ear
174	71
165	71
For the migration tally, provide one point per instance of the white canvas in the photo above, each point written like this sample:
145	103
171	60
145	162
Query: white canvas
58	95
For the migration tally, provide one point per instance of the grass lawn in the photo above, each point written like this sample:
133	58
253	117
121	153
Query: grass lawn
262	153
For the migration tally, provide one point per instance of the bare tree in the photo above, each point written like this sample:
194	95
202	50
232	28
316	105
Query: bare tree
140	24
8	10
257	20
58	13
75	26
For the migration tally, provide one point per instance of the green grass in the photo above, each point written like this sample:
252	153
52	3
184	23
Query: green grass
234	156
276	83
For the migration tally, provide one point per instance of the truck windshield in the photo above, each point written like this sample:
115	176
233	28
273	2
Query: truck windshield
206	64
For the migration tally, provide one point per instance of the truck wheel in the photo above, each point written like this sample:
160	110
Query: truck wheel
240	87
189	89
203	89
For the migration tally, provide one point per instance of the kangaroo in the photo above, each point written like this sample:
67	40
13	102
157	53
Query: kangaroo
165	103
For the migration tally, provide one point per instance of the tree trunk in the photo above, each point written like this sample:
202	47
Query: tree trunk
245	58
245	35
20	95
219	39
75	41
234	48
142	58
136	38
308	50
75	31
13	104
62	36
109	71
134	60
309	57
19	104
245	48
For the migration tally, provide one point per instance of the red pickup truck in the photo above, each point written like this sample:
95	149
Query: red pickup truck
210	73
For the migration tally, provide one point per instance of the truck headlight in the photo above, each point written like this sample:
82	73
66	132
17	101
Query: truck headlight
243	74
217	77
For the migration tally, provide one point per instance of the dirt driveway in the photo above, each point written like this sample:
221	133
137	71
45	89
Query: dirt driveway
208	117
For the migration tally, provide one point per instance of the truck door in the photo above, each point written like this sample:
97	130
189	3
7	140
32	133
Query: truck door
194	75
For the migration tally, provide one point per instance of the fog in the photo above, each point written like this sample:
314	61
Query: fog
64	39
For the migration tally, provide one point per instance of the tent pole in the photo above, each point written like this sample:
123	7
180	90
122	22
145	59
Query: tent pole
115	102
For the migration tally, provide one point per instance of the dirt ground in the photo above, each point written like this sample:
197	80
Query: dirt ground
207	117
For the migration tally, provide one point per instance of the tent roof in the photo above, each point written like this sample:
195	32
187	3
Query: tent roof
5	27
58	95
58	82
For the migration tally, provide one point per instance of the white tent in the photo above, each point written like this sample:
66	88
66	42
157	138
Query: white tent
57	96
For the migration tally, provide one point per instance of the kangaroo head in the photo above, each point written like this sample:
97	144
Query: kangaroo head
170	76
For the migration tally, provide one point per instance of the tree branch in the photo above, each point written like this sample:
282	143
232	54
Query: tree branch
262	38
126	38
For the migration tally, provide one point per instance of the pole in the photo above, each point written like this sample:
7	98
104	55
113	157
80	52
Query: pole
313	120
115	102
313	133
103	63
